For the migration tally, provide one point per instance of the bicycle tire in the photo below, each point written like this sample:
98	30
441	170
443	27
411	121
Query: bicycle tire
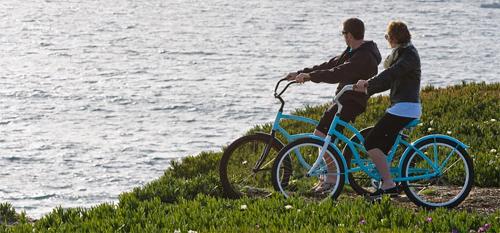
418	197
236	163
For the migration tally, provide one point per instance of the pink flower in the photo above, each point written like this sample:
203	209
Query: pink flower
428	219
362	222
487	226
481	229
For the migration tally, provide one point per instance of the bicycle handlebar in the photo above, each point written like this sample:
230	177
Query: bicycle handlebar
278	96
335	99
284	89
278	83
341	92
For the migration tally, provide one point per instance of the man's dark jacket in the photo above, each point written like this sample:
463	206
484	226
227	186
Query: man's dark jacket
348	68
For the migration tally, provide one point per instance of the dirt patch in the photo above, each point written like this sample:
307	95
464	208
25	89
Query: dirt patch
482	200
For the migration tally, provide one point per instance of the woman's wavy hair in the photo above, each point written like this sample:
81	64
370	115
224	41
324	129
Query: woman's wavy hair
398	31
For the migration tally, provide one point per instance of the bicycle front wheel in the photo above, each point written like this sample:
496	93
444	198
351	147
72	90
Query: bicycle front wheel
290	171
237	171
453	182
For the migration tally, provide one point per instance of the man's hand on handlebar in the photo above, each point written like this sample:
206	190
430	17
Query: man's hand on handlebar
302	77
291	76
361	86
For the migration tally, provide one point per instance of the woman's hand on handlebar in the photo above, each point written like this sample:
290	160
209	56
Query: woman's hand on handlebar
361	86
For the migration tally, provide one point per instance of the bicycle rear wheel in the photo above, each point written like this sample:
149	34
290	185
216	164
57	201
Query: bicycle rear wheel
236	168
447	189
289	174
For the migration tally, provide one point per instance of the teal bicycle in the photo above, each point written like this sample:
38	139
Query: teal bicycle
245	166
434	171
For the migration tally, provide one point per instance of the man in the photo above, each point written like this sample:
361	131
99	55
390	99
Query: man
359	61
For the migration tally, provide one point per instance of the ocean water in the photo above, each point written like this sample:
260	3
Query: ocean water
97	97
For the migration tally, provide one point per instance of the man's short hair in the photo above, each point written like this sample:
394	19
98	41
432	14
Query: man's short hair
398	31
356	27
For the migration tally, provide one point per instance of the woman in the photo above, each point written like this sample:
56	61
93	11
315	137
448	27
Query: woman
402	76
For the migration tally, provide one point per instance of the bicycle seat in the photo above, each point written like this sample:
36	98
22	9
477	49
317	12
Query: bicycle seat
412	124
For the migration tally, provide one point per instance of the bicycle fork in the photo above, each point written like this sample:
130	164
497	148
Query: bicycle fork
318	161
264	154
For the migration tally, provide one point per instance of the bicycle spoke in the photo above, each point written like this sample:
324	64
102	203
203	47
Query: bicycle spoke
244	179
453	164
268	163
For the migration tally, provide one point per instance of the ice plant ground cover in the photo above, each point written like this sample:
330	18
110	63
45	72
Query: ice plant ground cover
188	197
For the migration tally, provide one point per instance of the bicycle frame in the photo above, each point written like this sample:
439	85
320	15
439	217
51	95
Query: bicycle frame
291	137
366	165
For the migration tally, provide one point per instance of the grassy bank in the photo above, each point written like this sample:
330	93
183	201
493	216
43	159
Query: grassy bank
188	196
